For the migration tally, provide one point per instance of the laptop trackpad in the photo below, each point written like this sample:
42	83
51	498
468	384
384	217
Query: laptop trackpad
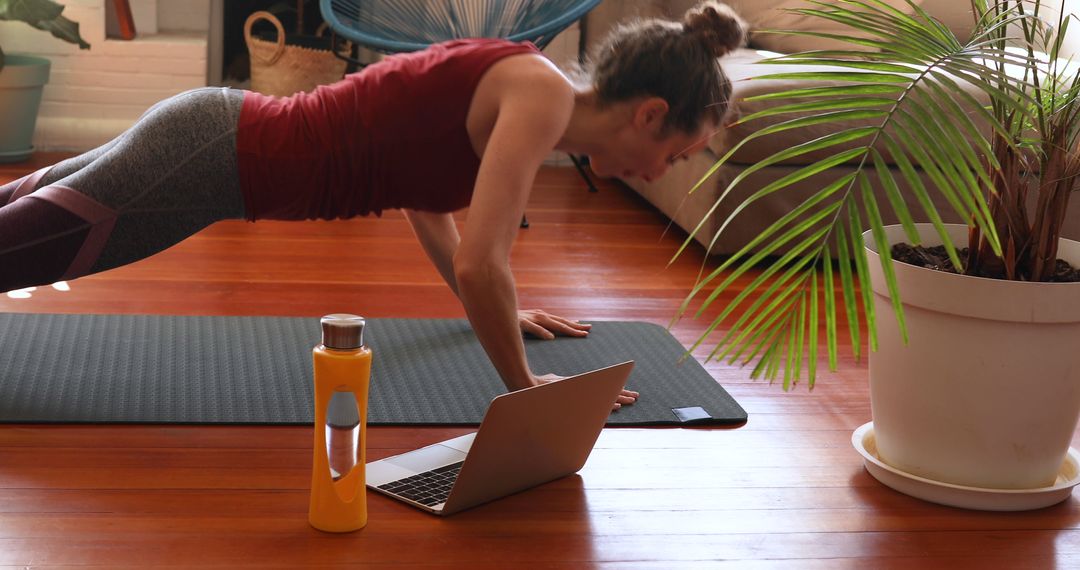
427	458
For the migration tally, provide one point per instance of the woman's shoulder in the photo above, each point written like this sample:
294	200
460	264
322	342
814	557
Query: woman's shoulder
531	75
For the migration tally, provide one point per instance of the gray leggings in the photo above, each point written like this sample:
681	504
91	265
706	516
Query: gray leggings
169	176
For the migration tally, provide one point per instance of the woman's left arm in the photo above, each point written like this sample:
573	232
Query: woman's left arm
438	235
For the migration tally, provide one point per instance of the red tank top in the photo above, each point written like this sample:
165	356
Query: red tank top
391	136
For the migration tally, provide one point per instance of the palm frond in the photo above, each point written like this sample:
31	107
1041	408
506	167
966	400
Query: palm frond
818	92
815	145
812	329
922	196
862	270
829	290
877	228
907	101
845	253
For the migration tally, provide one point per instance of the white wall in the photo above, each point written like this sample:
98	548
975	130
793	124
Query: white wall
189	15
94	95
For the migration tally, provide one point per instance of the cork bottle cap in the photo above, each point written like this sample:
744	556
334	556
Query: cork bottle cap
342	331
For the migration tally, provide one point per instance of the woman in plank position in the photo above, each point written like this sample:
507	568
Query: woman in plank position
481	113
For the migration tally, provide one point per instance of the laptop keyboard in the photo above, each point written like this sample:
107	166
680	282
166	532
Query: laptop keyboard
428	488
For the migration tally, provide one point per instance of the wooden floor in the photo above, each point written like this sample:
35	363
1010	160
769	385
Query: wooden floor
785	490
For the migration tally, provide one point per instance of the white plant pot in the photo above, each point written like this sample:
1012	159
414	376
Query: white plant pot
987	391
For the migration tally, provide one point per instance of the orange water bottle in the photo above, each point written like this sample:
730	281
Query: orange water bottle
342	374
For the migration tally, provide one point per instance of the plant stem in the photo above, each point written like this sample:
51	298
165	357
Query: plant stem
1053	196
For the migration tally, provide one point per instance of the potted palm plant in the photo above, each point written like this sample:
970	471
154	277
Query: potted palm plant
974	380
22	77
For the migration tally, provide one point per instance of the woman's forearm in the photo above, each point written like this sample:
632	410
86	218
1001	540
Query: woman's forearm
488	295
444	263
439	237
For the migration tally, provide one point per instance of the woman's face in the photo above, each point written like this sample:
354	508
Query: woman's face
640	151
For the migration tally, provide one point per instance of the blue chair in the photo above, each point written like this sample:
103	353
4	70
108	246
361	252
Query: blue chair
394	26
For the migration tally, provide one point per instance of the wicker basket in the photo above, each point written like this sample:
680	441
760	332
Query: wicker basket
281	69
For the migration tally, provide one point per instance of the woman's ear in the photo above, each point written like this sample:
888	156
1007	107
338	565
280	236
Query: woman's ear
650	114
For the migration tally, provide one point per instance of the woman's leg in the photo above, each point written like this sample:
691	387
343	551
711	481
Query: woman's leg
168	177
45	176
27	184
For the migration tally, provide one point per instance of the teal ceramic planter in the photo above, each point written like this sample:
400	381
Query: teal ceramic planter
21	84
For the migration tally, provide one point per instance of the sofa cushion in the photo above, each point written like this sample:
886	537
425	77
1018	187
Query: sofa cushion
956	14
705	211
670	195
776	15
740	66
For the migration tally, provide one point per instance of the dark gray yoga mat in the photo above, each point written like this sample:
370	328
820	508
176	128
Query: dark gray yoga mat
257	370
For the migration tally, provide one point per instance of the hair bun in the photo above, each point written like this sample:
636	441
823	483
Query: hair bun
717	25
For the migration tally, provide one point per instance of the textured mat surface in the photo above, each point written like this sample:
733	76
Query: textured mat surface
257	370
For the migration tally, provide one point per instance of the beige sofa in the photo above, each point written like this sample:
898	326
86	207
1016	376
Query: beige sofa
670	193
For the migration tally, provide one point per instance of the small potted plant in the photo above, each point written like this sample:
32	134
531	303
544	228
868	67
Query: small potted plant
22	77
974	375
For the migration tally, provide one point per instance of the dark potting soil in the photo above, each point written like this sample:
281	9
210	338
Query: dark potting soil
935	258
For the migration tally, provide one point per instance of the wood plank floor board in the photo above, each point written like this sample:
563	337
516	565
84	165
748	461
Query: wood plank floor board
392	523
786	490
298	546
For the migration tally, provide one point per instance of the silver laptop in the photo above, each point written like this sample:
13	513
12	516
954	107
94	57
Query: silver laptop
527	437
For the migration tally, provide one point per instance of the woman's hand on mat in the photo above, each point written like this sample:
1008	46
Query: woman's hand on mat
626	398
542	324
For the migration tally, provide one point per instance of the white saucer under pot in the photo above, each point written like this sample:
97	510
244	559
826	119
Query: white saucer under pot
986	394
966	497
